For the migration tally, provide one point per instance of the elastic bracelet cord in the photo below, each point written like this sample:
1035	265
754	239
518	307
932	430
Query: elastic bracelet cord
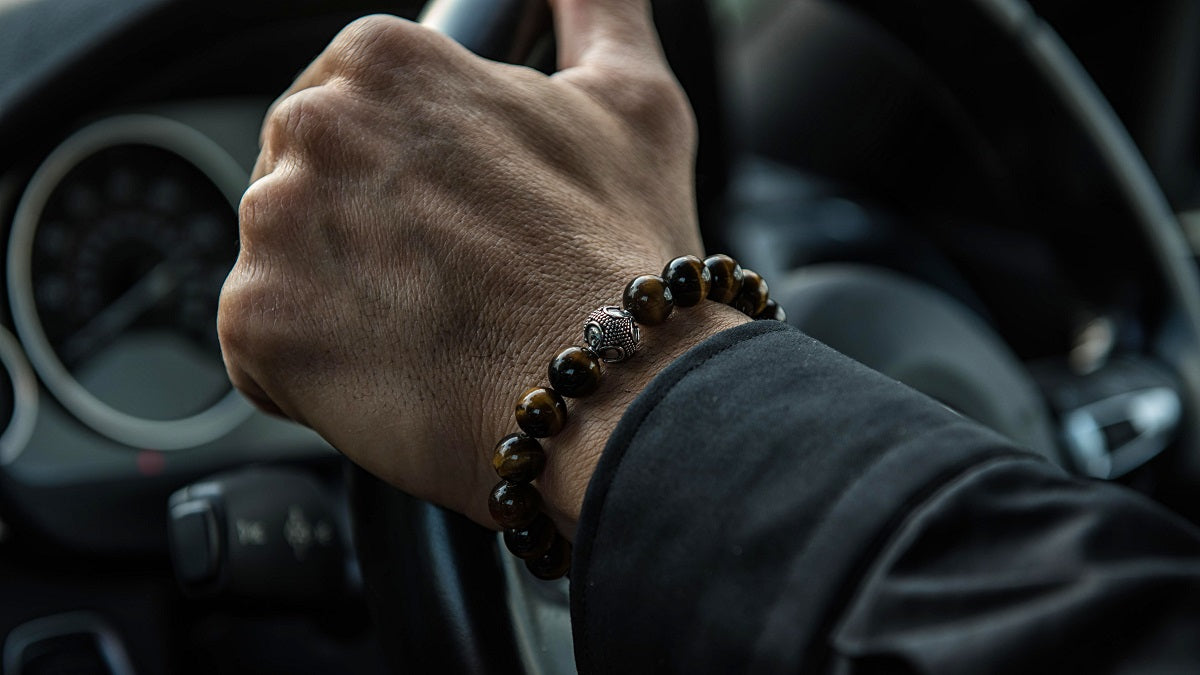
611	335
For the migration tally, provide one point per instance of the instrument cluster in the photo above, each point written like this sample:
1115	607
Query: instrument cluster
119	242
116	257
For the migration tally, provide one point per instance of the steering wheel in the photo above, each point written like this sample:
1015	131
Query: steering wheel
445	596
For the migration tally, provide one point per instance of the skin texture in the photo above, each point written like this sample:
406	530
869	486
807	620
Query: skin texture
426	230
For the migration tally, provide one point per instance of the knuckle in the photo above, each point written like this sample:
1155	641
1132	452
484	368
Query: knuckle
250	323
371	46
306	120
235	316
254	207
375	31
284	224
657	104
262	211
236	339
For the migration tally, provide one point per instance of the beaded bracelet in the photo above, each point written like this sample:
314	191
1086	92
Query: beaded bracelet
611	334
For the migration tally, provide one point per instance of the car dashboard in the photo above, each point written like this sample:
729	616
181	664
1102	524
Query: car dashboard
128	131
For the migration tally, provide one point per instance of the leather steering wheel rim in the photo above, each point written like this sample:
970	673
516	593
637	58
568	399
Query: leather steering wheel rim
1064	97
433	578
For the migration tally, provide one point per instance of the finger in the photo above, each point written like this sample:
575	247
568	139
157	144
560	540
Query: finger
604	32
253	393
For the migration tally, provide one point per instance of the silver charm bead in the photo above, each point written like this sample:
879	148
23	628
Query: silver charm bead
612	333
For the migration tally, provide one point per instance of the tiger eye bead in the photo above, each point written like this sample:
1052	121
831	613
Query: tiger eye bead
514	505
772	312
726	278
752	299
554	563
688	279
519	458
575	372
541	412
649	300
532	541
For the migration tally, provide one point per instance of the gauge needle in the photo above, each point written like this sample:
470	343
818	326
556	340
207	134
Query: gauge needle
140	298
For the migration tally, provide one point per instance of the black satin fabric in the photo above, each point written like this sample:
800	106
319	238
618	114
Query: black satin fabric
768	505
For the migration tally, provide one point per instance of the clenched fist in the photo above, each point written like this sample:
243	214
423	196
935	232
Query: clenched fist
426	229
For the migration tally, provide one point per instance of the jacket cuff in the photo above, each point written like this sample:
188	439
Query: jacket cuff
758	465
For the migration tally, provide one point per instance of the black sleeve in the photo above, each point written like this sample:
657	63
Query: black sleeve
768	505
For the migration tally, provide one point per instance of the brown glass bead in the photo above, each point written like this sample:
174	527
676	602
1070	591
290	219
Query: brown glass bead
649	300
519	458
532	541
575	372
541	412
554	563
514	505
688	279
753	297
772	312
726	278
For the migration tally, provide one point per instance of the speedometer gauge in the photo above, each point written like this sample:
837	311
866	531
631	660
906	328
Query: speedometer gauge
116	259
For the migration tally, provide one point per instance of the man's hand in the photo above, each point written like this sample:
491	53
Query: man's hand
426	229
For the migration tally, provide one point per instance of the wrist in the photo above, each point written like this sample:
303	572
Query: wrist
539	497
573	454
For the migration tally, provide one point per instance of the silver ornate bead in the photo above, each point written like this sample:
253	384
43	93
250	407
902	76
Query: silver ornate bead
612	333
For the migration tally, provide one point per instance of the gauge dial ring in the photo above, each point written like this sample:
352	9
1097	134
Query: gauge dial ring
19	430
225	173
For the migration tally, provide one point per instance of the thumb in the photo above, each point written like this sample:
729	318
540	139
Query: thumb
604	32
